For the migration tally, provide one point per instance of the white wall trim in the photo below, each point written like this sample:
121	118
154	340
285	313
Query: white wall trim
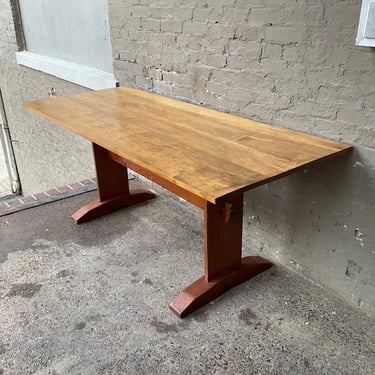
361	39
82	75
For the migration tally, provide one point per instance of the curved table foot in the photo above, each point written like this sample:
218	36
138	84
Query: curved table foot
202	292
99	208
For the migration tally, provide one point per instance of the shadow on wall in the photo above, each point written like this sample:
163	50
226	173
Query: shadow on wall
319	222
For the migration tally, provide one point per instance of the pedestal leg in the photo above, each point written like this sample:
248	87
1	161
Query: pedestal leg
224	266
113	188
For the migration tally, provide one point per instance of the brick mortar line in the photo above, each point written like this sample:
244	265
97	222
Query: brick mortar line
15	204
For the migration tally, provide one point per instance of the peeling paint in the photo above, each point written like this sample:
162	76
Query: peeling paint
352	269
358	164
294	263
252	219
359	236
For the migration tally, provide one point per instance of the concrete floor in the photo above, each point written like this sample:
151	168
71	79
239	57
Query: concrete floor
93	299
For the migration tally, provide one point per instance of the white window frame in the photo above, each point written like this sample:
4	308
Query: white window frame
82	75
361	40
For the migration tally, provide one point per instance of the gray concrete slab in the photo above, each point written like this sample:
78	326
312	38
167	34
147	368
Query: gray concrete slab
93	299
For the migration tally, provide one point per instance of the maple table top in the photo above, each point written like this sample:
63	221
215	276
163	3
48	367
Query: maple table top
209	153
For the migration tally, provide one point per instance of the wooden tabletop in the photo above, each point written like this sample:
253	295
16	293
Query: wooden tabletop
207	152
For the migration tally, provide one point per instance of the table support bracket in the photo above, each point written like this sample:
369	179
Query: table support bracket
224	265
202	292
113	188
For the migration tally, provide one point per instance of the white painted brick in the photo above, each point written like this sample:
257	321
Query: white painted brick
246	4
232	15
271	51
171	13
150	24
202	71
162	88
118	22
195	28
139	11
215	60
220	31
366	138
220	4
293	53
173	26
202	14
134	35
354	116
127	56
243	55
247	32
133	23
166	38
312	109
236	78
342	14
260	17
282	34
341	93
183	92
217	87
161	13
258	111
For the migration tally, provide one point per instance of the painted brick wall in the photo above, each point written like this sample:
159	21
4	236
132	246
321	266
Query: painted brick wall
46	155
286	62
292	64
8	42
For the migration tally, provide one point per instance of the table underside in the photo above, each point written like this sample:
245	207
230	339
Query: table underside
224	265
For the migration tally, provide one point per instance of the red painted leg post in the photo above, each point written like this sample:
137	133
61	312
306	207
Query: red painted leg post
224	266
113	187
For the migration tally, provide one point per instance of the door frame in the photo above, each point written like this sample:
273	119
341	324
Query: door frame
7	145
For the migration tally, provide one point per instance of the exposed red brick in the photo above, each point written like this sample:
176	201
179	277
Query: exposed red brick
40	195
64	189
75	185
28	199
52	192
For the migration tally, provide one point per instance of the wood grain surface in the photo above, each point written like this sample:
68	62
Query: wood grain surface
208	153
